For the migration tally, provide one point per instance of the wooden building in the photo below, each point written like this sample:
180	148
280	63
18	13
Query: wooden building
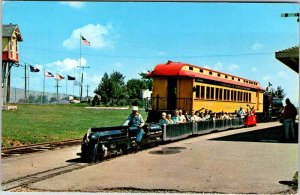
11	36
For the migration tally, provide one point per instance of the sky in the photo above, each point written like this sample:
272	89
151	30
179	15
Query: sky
235	38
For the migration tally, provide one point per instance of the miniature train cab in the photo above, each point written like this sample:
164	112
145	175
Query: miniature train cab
189	87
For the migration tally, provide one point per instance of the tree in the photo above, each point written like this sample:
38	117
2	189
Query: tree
147	81
31	99
279	93
41	99
111	87
135	88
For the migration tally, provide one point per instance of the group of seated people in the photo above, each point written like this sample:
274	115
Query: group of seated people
179	117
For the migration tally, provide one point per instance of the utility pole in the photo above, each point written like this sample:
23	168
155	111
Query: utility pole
87	90
291	15
25	88
57	86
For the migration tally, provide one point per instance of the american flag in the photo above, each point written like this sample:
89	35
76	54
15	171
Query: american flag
48	74
59	77
85	42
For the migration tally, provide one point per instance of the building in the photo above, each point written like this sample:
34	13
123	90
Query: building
289	57
11	36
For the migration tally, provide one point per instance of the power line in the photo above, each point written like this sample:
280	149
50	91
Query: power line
151	57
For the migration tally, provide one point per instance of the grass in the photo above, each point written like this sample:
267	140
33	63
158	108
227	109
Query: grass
45	123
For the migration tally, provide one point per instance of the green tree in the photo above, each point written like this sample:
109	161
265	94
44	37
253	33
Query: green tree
279	93
148	81
31	99
111	87
135	88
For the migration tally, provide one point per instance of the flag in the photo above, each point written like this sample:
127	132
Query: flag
85	42
71	78
77	83
34	69
59	77
48	74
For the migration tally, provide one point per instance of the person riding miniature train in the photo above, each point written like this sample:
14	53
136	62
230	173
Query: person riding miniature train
136	120
164	119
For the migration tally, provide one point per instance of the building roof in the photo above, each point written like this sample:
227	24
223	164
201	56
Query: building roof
9	29
176	69
289	57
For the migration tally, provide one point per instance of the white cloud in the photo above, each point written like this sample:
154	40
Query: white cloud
283	75
253	69
257	46
73	4
98	35
161	53
67	65
218	66
266	77
233	67
206	66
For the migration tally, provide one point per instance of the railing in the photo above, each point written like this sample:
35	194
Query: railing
182	130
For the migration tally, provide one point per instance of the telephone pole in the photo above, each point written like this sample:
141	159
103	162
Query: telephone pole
57	86
87	90
291	15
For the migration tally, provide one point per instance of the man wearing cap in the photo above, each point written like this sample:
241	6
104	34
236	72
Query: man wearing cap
136	120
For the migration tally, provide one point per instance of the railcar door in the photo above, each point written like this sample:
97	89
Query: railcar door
172	91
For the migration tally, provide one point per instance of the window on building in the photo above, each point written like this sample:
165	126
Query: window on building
10	45
212	93
197	91
221	94
207	92
217	93
202	92
228	92
191	68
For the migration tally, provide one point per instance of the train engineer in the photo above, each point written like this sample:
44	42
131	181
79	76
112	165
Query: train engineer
136	120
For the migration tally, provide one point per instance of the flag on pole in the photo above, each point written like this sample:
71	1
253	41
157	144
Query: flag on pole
71	78
77	83
34	69
85	42
59	77
48	74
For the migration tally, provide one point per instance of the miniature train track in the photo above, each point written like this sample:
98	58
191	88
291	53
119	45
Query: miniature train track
19	150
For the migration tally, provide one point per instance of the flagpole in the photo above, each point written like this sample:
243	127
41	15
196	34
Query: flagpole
43	97
80	95
66	87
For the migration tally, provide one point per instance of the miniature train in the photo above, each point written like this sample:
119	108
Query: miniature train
100	143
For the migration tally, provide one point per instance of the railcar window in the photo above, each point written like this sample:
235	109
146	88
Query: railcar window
244	96
239	79
226	76
219	74
228	94
202	92
207	92
212	93
232	78
217	93
225	97
197	91
234	96
250	97
239	96
201	70
210	73
221	94
190	68
231	96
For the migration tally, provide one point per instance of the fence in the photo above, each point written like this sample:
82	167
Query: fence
17	95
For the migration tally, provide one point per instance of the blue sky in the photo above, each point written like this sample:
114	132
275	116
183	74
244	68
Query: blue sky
235	38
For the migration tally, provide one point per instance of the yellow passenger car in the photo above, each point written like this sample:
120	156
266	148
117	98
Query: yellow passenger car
189	87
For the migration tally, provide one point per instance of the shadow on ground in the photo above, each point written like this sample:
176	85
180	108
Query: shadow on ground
268	135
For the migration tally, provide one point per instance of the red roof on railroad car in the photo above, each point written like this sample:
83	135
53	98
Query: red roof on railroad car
175	69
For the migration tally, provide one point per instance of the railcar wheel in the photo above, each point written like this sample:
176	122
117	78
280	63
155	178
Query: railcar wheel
93	154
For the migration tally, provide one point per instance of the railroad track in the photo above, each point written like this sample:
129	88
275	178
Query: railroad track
19	150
